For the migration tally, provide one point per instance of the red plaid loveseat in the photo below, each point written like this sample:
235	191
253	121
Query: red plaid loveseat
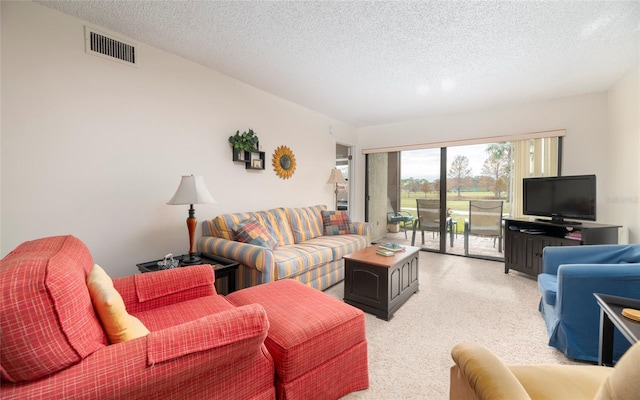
53	345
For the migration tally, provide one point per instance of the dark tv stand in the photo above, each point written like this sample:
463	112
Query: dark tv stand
558	221
524	240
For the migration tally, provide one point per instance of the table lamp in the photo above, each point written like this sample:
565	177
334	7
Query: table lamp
191	190
336	178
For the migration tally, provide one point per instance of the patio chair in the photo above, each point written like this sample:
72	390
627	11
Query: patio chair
428	218
485	219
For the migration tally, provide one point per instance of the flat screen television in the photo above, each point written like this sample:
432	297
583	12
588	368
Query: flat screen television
560	197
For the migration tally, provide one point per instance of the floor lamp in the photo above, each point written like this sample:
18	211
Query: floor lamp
336	178
191	190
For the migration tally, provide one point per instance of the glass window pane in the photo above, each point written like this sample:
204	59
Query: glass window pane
420	188
478	179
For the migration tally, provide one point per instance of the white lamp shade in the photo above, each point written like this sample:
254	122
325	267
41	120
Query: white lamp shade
336	176
192	190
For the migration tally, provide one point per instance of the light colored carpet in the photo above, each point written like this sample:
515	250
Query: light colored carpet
460	299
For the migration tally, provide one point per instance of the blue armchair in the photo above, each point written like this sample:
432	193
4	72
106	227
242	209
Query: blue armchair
570	275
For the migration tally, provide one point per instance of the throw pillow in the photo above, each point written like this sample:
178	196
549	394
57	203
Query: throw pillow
306	222
336	223
252	232
119	325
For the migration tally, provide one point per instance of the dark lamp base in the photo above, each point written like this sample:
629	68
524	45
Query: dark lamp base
190	260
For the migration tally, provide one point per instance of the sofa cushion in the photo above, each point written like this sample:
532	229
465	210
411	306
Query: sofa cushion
119	325
296	259
222	225
43	286
252	232
277	223
336	223
548	285
306	222
340	245
275	220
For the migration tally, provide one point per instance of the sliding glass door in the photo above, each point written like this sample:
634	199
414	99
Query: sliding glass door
456	196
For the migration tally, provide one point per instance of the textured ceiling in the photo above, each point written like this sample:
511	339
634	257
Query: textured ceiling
369	63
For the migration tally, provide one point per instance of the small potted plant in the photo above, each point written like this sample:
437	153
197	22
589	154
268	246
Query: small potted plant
246	141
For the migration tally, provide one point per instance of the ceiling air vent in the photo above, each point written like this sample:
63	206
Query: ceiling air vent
99	44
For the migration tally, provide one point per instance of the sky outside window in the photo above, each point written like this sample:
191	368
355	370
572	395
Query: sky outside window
425	163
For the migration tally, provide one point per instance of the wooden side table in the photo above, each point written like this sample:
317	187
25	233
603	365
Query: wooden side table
610	316
222	267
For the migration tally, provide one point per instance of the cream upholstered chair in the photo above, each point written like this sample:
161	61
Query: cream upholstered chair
479	374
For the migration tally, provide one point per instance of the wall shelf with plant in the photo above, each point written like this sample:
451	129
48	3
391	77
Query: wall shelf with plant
246	149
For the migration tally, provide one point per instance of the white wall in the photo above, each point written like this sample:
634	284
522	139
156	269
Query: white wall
94	148
591	144
622	189
583	117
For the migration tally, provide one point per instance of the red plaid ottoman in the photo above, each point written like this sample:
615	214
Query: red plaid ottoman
317	342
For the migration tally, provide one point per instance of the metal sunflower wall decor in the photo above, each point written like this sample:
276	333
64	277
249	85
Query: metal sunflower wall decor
284	162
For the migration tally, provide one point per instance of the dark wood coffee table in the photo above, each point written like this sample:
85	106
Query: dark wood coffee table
377	284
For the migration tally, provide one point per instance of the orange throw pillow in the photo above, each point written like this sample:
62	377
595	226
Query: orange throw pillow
119	325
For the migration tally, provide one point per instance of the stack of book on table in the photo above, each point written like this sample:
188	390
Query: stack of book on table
389	249
574	235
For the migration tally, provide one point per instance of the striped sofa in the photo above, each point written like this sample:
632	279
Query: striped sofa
302	249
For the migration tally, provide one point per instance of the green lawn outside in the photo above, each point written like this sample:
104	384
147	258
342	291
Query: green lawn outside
459	206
